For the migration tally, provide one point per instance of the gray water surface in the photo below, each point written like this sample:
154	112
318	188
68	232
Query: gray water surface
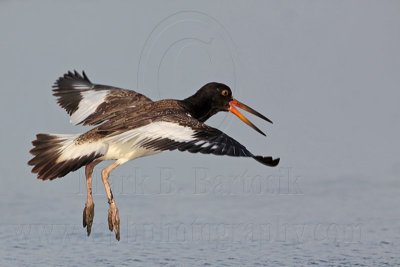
314	223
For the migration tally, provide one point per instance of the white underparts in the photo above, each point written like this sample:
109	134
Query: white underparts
127	145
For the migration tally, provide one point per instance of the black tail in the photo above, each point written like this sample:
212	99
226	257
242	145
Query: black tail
47	151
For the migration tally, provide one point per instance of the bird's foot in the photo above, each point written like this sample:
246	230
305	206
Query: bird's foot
88	215
113	220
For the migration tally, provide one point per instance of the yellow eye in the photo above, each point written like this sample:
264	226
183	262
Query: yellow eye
224	92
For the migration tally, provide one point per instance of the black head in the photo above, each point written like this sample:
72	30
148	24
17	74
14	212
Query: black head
215	97
218	95
208	100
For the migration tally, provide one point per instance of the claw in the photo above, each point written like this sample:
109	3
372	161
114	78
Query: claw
88	215
113	220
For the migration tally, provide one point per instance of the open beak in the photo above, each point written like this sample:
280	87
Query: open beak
232	108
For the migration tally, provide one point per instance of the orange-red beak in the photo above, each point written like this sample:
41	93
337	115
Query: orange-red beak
232	108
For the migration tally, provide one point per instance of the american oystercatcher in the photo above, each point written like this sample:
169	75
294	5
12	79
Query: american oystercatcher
130	125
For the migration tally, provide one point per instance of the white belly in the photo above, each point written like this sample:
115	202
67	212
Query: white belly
125	149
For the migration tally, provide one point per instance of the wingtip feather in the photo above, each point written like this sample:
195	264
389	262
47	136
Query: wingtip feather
268	161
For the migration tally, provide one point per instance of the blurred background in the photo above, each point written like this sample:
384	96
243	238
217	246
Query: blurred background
325	72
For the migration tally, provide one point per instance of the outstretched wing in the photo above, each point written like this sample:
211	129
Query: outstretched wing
92	104
184	133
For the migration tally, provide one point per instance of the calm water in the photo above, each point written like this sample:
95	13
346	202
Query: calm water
203	217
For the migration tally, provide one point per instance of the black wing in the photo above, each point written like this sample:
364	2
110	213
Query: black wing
92	104
204	139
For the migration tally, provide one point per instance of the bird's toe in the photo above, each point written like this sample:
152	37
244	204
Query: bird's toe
88	215
113	220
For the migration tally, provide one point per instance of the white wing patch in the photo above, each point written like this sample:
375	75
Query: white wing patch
90	101
156	130
128	145
71	150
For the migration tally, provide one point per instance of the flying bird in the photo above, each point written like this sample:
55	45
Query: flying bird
129	125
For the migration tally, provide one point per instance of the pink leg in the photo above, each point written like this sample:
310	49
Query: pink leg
113	213
88	211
